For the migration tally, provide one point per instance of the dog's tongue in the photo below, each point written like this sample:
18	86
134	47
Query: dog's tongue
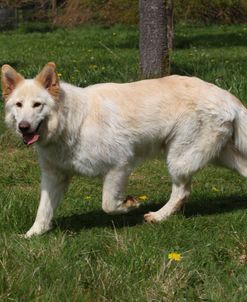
30	139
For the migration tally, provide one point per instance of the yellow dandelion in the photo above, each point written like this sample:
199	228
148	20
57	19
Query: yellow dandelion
214	189
87	197
143	197
93	66
174	256
59	75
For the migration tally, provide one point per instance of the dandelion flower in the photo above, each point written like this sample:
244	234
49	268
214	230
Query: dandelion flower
93	66
87	197
214	189
143	197
174	256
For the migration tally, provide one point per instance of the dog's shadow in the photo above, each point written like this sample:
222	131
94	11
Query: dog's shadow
98	218
216	205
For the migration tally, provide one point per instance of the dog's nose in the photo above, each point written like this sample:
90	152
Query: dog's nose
24	126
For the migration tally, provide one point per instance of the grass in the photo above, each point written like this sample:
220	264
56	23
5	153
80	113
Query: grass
90	256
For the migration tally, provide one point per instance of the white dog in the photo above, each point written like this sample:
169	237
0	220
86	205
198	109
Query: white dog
106	129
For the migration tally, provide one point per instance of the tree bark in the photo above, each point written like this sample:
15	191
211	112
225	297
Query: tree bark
170	24
155	23
54	10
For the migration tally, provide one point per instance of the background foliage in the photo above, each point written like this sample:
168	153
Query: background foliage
108	12
126	11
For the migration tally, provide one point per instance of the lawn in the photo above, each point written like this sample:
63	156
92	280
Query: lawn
90	256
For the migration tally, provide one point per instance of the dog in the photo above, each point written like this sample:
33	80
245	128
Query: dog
106	129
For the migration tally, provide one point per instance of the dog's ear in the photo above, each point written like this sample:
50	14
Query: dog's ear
10	79
48	78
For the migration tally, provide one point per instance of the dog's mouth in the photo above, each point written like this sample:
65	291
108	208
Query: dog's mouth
32	137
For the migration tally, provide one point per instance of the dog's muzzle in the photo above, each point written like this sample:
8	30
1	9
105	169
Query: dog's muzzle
29	137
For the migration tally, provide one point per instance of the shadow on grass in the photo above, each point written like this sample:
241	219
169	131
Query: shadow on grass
77	222
98	218
199	66
93	219
14	64
212	206
183	69
211	40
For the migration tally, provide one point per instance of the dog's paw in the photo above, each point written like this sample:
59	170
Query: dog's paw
37	230
153	217
150	217
131	203
32	233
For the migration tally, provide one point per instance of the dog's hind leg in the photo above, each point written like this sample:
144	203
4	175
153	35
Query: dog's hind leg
53	186
186	155
180	192
115	182
181	168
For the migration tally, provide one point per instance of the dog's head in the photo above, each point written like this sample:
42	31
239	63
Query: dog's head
31	106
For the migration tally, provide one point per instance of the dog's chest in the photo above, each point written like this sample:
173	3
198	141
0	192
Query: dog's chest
72	161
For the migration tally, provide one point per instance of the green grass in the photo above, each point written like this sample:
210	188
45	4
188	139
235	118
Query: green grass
90	256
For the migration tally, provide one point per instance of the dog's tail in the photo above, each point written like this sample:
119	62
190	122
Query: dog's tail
240	130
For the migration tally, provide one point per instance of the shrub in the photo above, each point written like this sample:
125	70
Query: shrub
215	11
110	12
107	12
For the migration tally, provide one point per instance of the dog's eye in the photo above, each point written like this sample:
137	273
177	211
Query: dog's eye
36	104
19	104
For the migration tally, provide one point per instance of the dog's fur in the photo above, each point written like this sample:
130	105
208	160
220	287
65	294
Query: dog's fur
106	129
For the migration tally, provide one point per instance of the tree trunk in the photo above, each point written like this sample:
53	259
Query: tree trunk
54	11
170	29
155	23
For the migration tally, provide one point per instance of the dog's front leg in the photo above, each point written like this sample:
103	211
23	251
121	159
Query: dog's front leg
53	186
114	184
